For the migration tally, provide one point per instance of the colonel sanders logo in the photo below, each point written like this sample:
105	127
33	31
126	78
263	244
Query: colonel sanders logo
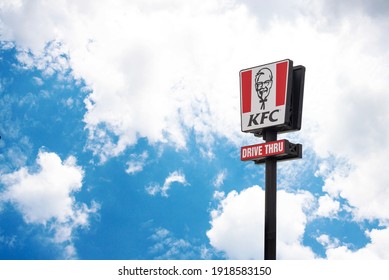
263	84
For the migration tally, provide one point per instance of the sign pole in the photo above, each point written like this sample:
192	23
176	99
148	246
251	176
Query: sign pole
270	200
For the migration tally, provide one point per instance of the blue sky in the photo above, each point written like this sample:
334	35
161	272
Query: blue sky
120	130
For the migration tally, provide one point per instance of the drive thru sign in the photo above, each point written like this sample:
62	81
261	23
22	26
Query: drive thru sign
280	150
263	150
265	95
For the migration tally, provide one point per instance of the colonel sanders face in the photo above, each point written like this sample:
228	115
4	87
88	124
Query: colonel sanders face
263	84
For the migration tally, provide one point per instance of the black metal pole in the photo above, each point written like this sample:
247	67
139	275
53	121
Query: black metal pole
270	200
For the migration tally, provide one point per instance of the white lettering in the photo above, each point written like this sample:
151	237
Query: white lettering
244	152
269	148
257	150
281	146
274	148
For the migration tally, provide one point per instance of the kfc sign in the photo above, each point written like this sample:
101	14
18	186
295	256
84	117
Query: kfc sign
266	96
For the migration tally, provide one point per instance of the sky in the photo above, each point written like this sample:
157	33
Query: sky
120	129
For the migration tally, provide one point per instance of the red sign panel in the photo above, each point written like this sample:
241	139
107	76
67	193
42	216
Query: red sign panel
259	151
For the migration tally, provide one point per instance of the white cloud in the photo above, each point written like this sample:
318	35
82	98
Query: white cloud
137	162
146	82
8	241
168	247
328	207
364	186
219	179
377	248
38	81
68	102
174	177
52	60
158	82
14	145
237	225
219	195
326	241
45	195
349	105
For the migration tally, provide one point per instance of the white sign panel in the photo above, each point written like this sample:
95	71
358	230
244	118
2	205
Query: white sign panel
264	95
